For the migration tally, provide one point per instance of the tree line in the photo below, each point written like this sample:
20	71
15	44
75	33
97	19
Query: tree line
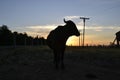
9	38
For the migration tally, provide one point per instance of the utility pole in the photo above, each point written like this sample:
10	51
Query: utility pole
14	40
79	39
84	19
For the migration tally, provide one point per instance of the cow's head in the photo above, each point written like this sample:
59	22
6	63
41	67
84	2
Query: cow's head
72	27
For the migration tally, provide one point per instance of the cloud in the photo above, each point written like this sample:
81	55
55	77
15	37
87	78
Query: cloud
71	17
97	28
42	30
93	32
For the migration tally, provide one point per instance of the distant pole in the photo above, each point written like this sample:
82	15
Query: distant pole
79	39
25	42
14	40
84	19
32	41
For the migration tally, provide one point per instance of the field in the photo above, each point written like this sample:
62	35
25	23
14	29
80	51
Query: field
36	63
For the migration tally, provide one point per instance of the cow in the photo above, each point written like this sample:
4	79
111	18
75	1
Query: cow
57	38
118	38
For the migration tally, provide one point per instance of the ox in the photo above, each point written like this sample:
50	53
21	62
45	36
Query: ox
118	38
57	38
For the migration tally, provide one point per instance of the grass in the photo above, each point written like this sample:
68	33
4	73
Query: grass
103	57
36	63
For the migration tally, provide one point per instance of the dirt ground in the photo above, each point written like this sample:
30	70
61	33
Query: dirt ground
36	64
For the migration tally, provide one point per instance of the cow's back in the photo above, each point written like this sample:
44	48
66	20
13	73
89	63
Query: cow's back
56	38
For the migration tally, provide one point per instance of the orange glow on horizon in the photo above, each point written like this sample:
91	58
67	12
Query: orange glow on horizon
74	41
93	36
89	40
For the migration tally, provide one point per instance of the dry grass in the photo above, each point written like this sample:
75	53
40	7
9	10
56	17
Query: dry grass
35	63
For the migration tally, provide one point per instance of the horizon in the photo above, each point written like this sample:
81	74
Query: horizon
40	17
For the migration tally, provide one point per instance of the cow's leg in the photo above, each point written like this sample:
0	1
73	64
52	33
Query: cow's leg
117	42
56	60
62	59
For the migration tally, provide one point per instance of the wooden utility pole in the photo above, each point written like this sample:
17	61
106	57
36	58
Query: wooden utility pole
79	39
84	19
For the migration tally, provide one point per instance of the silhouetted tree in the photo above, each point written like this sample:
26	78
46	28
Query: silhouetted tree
15	38
5	36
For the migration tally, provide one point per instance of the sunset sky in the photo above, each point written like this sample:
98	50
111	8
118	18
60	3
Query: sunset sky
39	17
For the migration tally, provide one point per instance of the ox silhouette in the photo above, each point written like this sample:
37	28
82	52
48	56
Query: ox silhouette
57	38
118	38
